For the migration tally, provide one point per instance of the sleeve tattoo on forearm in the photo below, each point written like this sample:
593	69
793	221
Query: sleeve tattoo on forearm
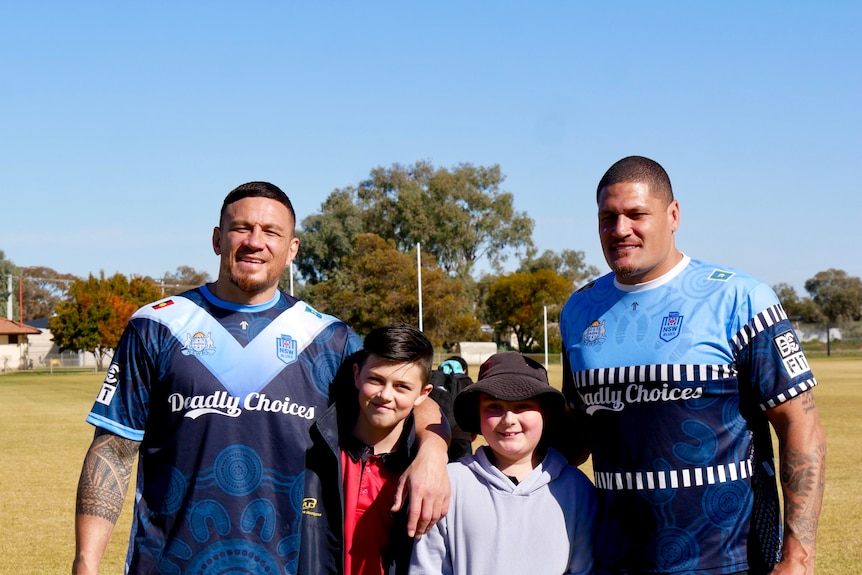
803	481
105	476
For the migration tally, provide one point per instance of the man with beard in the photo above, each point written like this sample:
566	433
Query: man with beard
215	390
681	367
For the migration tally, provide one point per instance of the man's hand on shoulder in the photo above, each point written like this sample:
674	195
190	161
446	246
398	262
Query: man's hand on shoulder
426	482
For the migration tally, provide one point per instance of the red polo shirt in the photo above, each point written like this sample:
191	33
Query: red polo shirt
369	491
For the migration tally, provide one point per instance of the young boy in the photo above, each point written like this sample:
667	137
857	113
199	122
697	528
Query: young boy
360	446
516	505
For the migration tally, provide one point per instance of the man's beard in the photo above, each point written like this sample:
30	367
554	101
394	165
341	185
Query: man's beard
625	271
248	284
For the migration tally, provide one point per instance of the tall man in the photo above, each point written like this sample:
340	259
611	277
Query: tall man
680	367
215	390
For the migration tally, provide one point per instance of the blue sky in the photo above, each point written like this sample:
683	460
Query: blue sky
125	124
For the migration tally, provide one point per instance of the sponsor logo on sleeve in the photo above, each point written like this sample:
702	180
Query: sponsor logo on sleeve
791	353
109	386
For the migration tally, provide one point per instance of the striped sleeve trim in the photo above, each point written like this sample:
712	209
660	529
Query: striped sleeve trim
789	394
762	321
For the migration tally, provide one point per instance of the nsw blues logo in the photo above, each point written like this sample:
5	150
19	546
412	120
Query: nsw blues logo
595	333
287	349
199	343
670	326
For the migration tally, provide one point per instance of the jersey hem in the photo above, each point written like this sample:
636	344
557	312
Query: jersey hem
115	428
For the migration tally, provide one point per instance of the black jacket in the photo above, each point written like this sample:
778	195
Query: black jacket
322	533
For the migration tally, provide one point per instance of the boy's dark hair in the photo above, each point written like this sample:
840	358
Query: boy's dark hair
257	190
396	343
399	344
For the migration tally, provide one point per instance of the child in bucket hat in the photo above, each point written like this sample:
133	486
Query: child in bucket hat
516	506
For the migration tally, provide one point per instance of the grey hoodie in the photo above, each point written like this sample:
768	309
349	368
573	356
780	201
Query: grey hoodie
542	526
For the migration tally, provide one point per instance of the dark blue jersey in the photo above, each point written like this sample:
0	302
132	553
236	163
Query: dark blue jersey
221	397
676	375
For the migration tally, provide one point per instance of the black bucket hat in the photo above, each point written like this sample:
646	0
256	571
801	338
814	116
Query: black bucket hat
509	376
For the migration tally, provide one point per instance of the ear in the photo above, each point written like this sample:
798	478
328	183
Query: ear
356	370
673	214
423	394
293	249
217	240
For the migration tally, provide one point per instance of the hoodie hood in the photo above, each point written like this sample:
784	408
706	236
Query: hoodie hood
549	469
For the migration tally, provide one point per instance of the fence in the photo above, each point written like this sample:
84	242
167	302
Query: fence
64	361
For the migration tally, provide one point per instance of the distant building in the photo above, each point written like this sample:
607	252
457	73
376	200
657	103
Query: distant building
475	352
15	345
817	333
45	353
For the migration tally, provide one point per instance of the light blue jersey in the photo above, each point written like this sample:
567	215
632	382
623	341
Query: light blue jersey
675	375
221	397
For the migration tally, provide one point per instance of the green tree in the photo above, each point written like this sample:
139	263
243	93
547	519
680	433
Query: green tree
458	215
516	301
838	296
8	270
184	278
327	238
42	289
797	309
568	263
379	287
96	310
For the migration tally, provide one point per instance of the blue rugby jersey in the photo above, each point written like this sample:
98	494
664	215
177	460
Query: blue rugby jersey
675	375
221	396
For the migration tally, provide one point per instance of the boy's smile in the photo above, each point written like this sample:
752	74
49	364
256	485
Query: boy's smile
388	392
511	428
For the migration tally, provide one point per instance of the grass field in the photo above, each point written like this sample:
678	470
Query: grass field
43	438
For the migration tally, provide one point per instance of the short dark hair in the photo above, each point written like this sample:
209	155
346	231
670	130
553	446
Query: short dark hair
399	343
638	169
257	190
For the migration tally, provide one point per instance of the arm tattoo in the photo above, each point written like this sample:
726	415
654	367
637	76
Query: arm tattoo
803	488
803	481
105	476
807	401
